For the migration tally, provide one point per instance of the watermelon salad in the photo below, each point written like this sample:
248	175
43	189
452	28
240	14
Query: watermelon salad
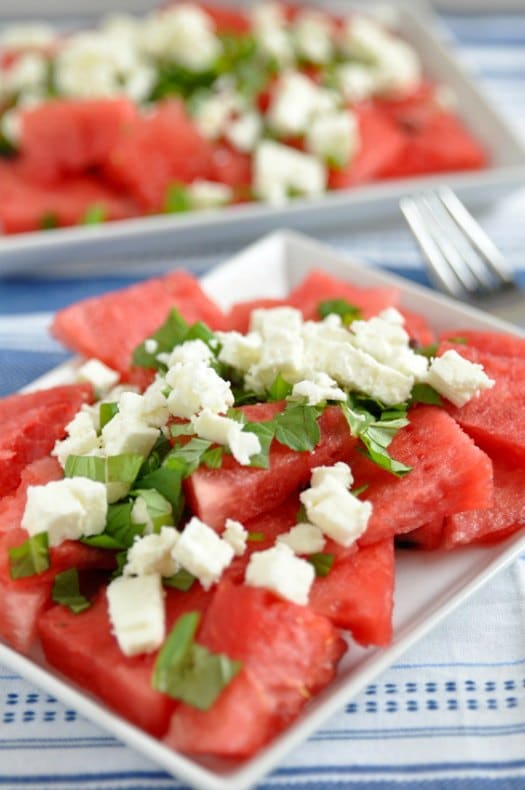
197	107
209	515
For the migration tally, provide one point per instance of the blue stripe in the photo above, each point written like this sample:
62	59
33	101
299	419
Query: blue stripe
419	732
22	367
479	664
404	768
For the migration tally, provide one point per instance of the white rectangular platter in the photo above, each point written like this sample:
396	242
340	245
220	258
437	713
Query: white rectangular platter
428	585
148	237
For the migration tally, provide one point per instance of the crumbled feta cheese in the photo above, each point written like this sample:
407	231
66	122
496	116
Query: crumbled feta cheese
399	69
340	473
197	386
235	534
312	35
279	570
28	72
335	510
202	552
209	194
213	113
357	370
82	438
244	131
303	539
239	351
320	388
273	40
334	137
93	65
11	125
223	430
456	378
281	171
153	554
67	509
275	319
190	351
126	433
151	345
154	409
136	612
295	102
356	81
101	377
183	34
385	339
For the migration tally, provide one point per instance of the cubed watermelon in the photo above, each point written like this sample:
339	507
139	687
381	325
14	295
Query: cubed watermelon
500	344
37	473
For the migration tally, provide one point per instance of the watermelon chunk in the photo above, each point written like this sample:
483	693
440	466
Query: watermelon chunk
417	327
506	516
318	286
82	647
111	326
31	424
449	474
242	492
65	136
495	419
500	344
428	536
358	593
159	148
37	473
288	653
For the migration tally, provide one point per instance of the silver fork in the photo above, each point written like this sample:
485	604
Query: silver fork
461	259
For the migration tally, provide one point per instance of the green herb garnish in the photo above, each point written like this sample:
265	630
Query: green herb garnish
66	591
30	558
322	563
348	312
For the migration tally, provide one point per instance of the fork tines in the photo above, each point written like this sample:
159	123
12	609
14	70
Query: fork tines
462	259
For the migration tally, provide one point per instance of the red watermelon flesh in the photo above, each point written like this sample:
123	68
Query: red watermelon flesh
358	593
241	492
111	326
231	167
380	146
319	286
159	149
418	327
288	653
495	419
500	344
23	600
37	473
28	206
507	514
65	136
449	474
82	647
227	20
428	536
30	432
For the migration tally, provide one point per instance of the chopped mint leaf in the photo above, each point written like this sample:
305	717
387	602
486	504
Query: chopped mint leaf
172	332
427	351
112	469
297	428
106	413
188	671
359	490
123	468
120	532
462	341
236	414
348	312
279	389
30	558
167	480
182	580
48	221
424	393
178	199
181	429
244	397
160	450
190	453
95	214
265	433
212	458
301	514
255	537
376	436
159	509
66	591
92	466
322	563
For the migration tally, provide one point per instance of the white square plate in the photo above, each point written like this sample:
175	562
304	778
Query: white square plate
428	585
202	231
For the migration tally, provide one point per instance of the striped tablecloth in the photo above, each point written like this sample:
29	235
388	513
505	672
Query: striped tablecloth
451	714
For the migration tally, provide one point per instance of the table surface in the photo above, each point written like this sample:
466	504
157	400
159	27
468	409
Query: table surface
451	713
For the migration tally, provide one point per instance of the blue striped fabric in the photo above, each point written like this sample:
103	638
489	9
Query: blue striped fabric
451	713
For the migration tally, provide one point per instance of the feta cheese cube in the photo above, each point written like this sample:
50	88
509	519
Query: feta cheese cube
334	136
280	170
357	81
213	113
153	554
320	388
275	319
279	570
189	352
340	473
67	509
303	539
223	430
202	552
312	35
235	534
127	434
209	194
357	370
456	378
26	36
244	131
197	386
339	514
239	351
243	445
82	438
183	34
100	376
136	612
295	102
